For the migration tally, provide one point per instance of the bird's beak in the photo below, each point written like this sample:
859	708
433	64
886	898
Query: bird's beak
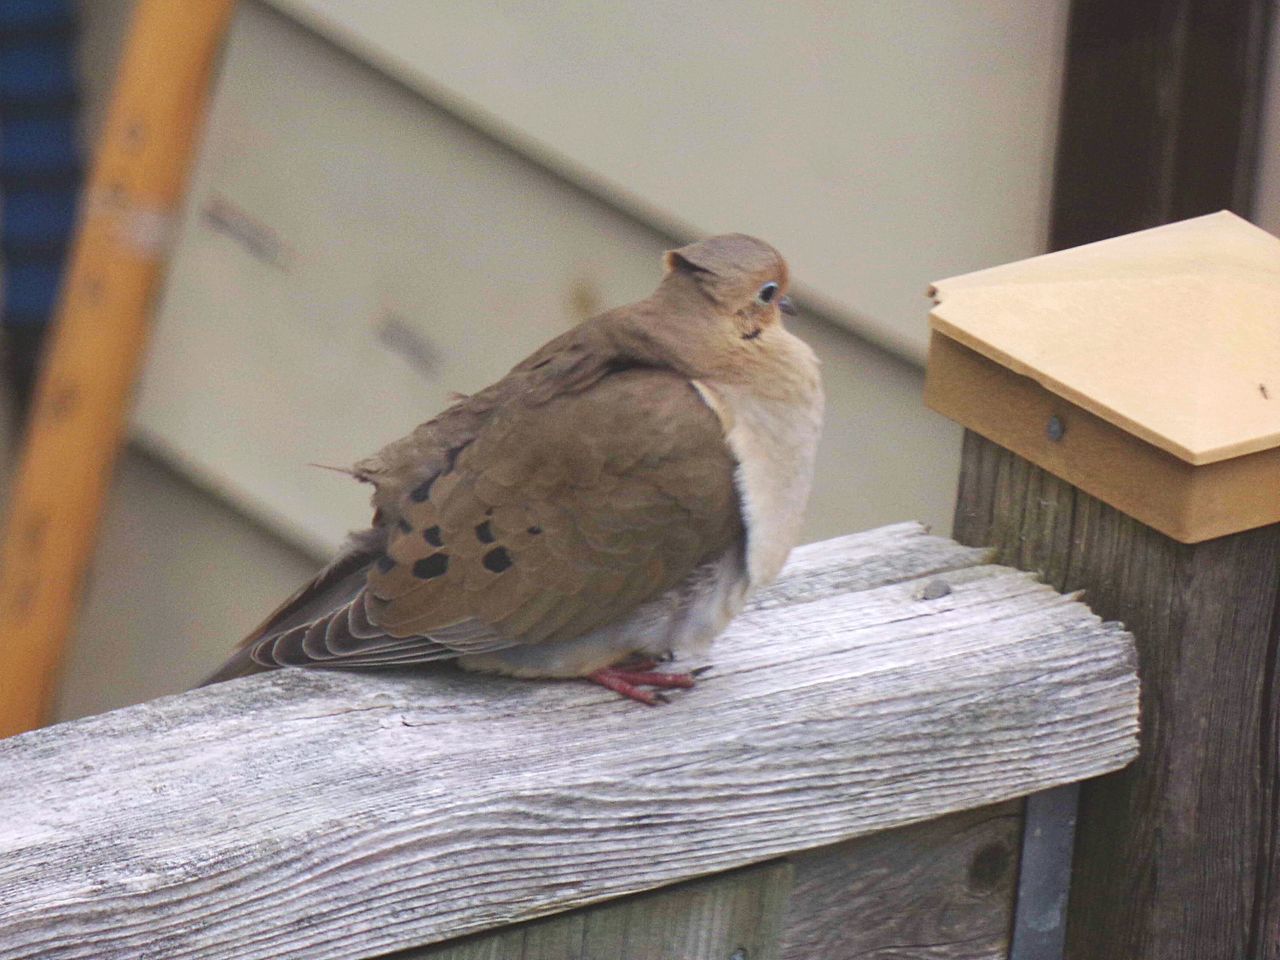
787	307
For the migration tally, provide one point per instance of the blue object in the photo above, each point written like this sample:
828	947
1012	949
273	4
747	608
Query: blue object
40	173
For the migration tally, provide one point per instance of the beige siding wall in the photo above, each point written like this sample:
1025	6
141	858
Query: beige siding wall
881	144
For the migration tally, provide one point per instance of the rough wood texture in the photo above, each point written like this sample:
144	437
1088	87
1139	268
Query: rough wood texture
739	913
1177	856
1159	115
941	890
330	815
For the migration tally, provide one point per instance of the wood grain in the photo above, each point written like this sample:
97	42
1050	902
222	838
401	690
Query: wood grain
341	815
940	890
738	913
121	246
1176	857
1160	114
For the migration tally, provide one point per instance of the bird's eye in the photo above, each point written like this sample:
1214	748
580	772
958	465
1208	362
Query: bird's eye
767	292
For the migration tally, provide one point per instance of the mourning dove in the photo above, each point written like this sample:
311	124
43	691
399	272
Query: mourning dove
613	500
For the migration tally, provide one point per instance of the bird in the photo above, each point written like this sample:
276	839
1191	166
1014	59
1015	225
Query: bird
607	506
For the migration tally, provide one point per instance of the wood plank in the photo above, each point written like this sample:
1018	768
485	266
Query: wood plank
734	914
1176	857
334	815
940	890
1186	502
1160	114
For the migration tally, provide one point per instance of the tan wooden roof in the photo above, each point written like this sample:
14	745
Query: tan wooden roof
1172	333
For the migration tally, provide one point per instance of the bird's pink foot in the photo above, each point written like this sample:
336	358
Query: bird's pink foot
629	679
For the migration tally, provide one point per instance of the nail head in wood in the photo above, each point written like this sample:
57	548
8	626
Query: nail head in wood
935	590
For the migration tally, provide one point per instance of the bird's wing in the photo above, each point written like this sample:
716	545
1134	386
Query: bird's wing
551	517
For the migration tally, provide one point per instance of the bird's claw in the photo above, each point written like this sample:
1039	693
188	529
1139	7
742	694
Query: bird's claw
630	680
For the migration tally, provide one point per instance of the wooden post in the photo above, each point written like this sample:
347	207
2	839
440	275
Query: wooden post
1123	401
728	916
132	197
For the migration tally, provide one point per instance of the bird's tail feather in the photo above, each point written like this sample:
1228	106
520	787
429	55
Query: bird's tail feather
241	664
332	588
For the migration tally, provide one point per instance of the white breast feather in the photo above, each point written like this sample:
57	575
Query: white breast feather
775	442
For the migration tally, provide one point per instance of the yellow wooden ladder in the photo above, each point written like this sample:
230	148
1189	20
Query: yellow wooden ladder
127	219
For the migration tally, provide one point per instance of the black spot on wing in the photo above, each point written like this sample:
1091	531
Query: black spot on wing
433	536
497	560
428	568
484	532
385	564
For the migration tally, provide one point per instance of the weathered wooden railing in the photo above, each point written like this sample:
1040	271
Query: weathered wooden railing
837	784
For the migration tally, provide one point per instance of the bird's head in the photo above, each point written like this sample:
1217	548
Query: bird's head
744	278
717	313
